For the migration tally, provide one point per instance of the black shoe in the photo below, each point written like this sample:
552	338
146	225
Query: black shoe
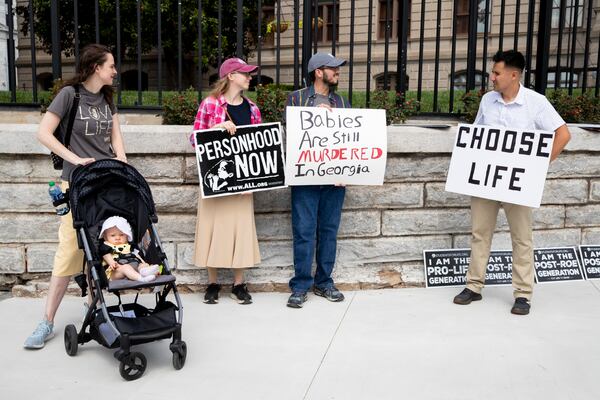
297	300
240	294
466	297
211	296
521	306
330	293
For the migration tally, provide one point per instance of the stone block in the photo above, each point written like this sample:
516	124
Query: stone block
414	168
401	139
13	259
40	257
423	222
389	249
273	200
583	216
176	227
591	236
391	195
27	169
175	198
574	166
25	197
28	228
595	190
565	191
437	196
159	168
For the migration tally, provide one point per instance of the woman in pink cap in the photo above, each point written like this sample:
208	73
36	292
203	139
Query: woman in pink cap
225	228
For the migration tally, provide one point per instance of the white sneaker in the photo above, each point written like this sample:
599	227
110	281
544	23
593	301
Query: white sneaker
149	270
147	278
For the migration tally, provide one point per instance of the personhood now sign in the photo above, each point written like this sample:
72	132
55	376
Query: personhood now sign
249	160
497	163
344	145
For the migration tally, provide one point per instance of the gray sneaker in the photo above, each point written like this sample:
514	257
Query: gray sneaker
38	338
330	293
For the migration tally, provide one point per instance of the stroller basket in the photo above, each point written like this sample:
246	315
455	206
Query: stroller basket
135	320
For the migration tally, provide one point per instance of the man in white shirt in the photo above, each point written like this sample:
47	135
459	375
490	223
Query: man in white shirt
509	105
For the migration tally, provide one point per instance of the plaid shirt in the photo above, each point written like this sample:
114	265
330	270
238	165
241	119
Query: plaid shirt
212	111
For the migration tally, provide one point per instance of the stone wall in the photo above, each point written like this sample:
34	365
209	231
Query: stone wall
383	232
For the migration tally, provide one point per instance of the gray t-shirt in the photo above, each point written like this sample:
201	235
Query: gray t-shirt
321	99
92	128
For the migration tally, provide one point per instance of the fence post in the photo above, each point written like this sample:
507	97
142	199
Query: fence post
306	39
402	48
543	46
472	45
54	27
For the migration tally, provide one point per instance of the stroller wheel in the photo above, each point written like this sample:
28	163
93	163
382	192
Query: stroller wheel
179	354
71	340
132	366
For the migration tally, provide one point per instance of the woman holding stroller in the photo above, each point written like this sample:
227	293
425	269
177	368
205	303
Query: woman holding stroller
95	135
225	228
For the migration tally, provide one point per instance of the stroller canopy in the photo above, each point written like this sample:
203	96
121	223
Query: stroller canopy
110	187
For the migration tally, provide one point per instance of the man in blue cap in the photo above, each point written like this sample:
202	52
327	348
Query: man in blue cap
316	209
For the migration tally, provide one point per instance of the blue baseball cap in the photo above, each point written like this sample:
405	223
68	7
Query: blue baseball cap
319	60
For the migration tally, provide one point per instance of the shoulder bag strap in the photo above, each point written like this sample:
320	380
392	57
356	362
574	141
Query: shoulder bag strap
72	116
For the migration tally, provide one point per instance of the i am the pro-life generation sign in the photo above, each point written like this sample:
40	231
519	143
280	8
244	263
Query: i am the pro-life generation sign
503	164
448	267
250	160
345	146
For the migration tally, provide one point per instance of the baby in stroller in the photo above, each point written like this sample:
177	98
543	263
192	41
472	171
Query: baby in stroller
120	256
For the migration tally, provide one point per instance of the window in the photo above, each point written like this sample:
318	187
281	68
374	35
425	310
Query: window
395	6
325	24
568	15
380	80
268	15
564	79
460	79
462	16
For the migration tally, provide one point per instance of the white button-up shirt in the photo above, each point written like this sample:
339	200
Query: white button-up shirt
529	110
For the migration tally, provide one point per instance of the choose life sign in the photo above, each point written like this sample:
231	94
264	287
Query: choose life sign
497	163
342	146
249	160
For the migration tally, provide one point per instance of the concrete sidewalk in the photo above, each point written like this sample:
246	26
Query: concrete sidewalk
384	344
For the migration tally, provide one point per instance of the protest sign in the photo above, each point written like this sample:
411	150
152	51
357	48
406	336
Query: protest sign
249	160
556	264
503	164
345	145
590	258
449	267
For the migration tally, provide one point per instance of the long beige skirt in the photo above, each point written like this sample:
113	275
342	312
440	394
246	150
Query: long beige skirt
226	232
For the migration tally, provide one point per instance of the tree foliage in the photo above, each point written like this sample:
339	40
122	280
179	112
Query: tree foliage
149	24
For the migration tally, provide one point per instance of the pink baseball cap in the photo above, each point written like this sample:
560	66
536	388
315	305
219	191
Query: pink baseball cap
235	65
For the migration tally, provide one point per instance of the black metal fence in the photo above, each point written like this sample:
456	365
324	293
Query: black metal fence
179	42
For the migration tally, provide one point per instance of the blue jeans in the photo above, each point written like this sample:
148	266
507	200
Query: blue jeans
316	213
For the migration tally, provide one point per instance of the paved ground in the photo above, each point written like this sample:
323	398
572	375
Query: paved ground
385	344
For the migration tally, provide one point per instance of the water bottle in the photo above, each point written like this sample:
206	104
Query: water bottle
55	195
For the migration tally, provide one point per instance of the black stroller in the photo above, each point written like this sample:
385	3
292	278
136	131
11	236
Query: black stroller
97	191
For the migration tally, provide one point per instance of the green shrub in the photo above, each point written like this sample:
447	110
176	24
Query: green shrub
471	100
397	108
582	108
271	100
180	108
